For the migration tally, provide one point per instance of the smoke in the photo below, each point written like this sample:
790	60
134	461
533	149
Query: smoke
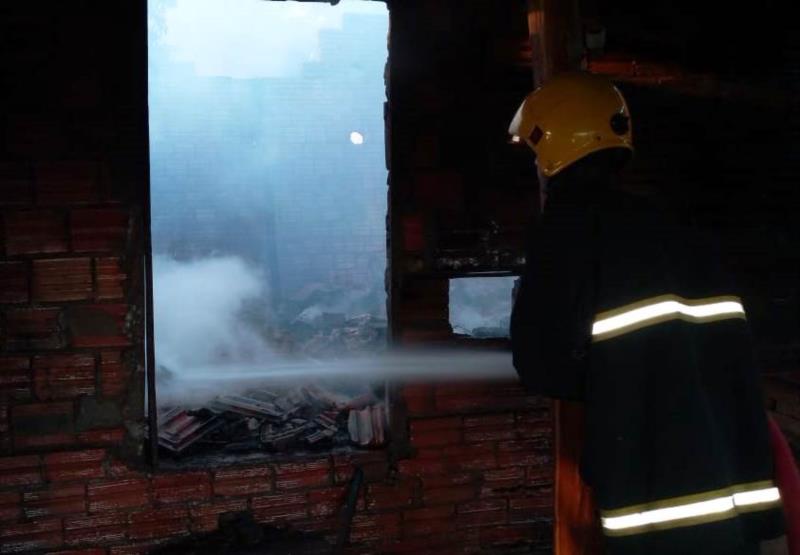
199	309
229	39
481	306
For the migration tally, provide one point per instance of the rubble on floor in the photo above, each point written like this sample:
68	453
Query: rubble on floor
283	418
302	417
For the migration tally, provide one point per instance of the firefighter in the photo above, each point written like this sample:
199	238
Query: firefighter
626	308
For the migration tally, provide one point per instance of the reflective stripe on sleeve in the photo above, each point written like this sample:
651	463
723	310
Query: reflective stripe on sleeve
663	308
691	510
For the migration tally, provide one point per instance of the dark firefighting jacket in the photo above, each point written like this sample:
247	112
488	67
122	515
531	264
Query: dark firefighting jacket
628	310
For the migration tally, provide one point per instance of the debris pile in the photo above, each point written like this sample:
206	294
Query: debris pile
300	416
277	419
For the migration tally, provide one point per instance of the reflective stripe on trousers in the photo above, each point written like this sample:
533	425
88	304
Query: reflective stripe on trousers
689	510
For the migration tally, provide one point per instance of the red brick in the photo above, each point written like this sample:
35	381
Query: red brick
280	514
541	432
20	471
482	505
452	543
271	501
35	232
471	457
430	424
96	326
307	479
533	508
359	458
194	486
10	505
503	481
5	426
110	436
99	229
538	475
489	434
390	496
118	469
55	501
118	494
30	542
63	376
261	473
435	438
523	516
426	513
516	473
489	420
274	508
110	278
413	233
29	536
216	508
159	515
536	417
329	501
373	472
421	467
43	425
15	184
444	496
33	329
65	279
242	481
295	467
418	399
95	530
373	527
114	374
457	403
44	440
15	378
71	182
474	388
448	479
13	282
74	465
535	500
523	458
526	445
482	518
205	518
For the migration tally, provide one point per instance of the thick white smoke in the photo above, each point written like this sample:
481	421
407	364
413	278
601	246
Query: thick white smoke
199	308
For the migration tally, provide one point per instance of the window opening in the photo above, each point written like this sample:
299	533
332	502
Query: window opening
480	307
268	207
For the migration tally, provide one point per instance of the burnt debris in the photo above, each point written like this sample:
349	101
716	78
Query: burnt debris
298	418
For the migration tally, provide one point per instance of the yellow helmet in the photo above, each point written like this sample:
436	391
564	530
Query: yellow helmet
571	116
